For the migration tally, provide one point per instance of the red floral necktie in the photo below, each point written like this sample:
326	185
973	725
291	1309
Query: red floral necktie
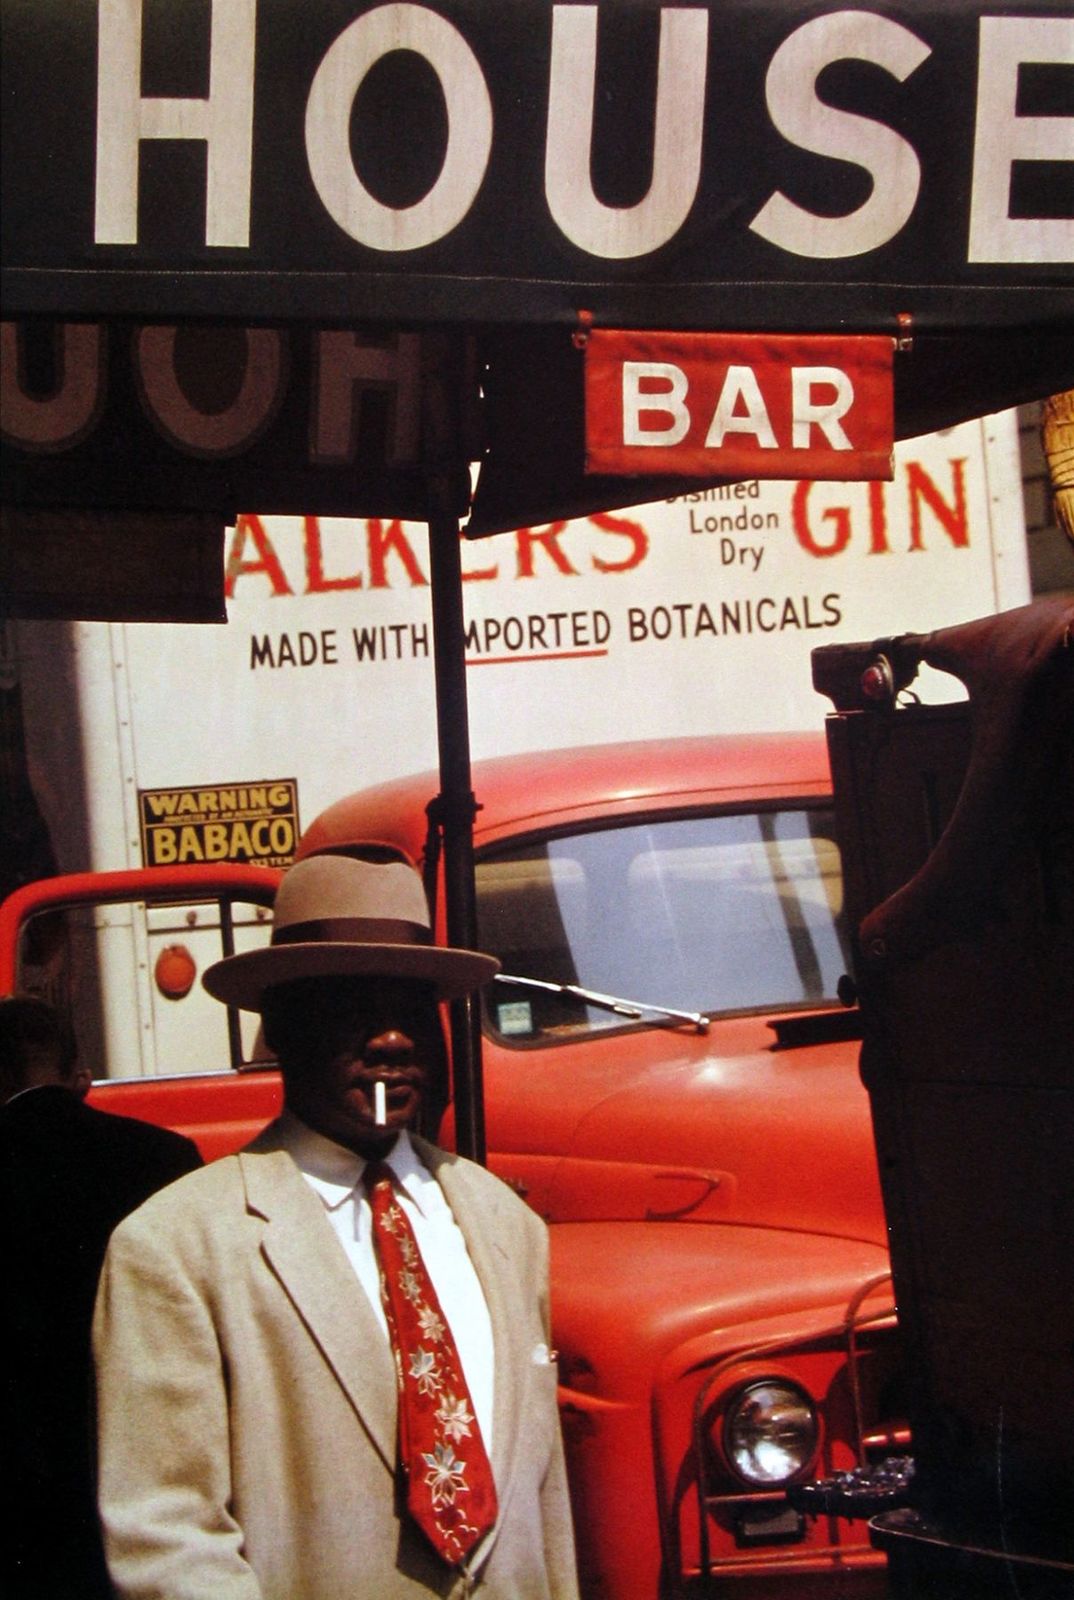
450	1489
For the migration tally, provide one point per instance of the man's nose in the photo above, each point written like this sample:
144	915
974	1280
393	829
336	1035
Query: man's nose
390	1044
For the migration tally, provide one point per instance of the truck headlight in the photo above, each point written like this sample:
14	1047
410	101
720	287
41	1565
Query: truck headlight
770	1432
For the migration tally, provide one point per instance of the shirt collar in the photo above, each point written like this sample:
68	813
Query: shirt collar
36	1088
334	1171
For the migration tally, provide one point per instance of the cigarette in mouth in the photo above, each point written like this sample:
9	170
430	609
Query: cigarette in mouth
380	1103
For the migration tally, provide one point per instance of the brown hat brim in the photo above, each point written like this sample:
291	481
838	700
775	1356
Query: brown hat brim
241	980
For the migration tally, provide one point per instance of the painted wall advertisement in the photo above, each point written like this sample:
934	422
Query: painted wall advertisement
695	615
690	616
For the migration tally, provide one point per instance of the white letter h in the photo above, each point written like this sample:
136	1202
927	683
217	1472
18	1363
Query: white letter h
224	120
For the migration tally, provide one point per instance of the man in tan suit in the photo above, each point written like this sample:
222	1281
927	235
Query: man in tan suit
250	1394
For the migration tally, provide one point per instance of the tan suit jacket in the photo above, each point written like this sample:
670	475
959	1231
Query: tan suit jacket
247	1399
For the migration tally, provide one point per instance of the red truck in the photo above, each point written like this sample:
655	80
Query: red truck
670	1079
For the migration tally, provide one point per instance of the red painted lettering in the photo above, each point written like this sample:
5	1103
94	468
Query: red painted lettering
316	582
838	516
527	539
383	541
622	528
952	518
878	521
268	562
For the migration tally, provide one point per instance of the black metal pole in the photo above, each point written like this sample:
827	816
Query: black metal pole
456	808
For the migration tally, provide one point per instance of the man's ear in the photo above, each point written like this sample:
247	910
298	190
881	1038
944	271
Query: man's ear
82	1081
268	1033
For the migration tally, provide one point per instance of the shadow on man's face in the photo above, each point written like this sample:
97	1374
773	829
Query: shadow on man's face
338	1037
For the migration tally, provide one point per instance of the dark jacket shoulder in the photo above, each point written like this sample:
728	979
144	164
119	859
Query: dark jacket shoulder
60	1144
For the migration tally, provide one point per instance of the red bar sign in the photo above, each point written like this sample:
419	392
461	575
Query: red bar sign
739	405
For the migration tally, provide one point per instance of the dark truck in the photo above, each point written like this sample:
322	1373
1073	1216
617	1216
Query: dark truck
956	825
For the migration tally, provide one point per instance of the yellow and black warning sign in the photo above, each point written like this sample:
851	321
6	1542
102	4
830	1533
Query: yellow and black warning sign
250	822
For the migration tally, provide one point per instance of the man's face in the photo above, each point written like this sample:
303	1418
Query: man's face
336	1037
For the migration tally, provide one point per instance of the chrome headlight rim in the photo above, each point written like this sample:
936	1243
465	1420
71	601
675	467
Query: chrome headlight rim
741	1437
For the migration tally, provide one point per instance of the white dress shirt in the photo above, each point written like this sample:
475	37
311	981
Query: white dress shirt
335	1174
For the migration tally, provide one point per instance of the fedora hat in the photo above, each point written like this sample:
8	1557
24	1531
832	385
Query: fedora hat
338	917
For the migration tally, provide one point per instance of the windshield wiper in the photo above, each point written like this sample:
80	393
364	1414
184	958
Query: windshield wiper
634	1009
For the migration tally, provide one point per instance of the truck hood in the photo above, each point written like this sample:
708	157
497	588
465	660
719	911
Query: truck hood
624	1296
764	1137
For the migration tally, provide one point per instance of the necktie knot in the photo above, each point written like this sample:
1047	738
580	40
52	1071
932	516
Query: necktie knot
376	1173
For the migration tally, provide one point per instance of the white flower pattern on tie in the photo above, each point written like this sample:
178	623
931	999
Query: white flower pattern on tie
430	1323
446	1474
424	1370
411	1287
455	1417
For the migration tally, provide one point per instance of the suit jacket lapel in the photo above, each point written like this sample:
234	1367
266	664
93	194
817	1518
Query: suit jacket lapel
305	1256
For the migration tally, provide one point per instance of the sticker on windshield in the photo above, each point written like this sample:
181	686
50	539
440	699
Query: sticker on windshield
514	1018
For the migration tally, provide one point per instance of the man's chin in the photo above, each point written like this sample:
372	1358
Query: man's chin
375	1143
358	1133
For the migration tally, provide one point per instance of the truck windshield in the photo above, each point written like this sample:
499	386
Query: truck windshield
721	913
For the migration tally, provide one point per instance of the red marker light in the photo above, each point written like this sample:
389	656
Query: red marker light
175	971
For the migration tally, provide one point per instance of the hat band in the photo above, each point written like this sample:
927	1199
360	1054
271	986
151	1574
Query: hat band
353	930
